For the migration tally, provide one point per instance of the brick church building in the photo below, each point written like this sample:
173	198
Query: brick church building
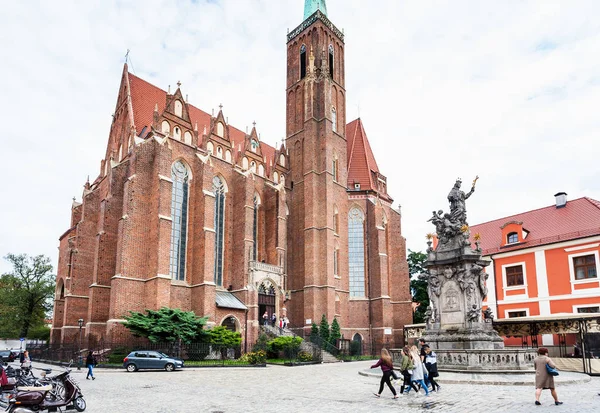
189	212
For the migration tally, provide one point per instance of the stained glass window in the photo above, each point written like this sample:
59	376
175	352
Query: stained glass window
219	191
179	200
356	253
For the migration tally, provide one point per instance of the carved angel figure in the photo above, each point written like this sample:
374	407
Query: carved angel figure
474	313
481	276
488	315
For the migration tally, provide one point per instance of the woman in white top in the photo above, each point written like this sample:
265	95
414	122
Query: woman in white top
418	373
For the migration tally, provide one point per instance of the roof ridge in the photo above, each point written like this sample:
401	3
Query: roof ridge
593	201
365	143
526	212
350	157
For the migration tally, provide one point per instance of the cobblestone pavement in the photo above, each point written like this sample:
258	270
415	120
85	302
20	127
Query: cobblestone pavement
316	388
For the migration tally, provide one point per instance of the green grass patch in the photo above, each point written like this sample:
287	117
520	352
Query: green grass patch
277	361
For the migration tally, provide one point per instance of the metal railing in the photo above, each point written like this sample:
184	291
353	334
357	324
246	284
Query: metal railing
113	353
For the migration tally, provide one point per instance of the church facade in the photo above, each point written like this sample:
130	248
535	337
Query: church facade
189	212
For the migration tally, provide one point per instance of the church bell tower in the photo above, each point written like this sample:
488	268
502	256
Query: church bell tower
316	140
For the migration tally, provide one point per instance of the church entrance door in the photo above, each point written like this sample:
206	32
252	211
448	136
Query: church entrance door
266	301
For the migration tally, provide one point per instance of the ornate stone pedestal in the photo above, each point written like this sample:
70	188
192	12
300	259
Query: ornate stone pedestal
455	326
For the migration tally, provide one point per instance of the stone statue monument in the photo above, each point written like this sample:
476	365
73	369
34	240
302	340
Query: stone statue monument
456	327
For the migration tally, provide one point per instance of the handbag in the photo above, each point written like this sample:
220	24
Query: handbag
551	370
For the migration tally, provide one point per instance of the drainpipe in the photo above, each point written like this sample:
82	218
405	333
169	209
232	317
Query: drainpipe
495	285
246	332
367	271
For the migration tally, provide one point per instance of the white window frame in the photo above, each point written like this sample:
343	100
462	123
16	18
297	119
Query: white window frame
578	306
514	310
586	280
506	288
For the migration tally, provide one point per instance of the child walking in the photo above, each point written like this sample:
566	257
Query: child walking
385	362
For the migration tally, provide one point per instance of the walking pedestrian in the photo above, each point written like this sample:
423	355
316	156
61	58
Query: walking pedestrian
406	368
285	322
266	318
385	362
273	319
422	354
431	366
90	362
418	373
25	360
543	379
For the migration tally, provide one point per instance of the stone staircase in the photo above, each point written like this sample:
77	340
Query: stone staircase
307	346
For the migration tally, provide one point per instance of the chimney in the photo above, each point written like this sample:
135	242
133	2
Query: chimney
561	199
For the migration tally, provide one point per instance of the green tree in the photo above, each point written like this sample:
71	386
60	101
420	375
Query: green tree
335	332
221	338
324	329
314	332
287	344
166	324
418	284
25	294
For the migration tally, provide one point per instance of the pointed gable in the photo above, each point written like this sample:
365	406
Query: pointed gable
144	98
361	162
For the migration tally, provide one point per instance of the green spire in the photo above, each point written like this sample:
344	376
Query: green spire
311	6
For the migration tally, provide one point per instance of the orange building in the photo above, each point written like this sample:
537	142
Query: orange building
544	262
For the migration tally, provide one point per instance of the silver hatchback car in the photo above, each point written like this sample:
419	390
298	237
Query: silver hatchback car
143	359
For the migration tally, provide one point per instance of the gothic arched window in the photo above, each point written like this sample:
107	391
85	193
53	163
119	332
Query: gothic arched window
331	60
333	119
356	252
219	191
178	108
302	61
179	201
255	228
336	220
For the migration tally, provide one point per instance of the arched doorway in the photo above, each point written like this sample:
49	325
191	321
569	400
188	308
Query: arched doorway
266	301
356	345
229	323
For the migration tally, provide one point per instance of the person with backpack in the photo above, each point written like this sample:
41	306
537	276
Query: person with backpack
406	368
431	366
90	362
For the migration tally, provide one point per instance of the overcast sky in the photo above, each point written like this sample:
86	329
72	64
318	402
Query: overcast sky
507	90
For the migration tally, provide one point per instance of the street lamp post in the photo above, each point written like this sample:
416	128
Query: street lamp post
80	322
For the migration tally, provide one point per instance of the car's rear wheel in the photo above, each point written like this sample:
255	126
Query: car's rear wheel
131	367
169	367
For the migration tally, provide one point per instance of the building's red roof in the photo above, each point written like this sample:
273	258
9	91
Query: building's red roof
361	161
145	96
579	218
362	166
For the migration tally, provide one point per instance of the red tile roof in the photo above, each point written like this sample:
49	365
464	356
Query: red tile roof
579	218
361	161
145	96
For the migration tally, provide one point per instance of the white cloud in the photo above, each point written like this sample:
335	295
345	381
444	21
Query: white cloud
507	90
